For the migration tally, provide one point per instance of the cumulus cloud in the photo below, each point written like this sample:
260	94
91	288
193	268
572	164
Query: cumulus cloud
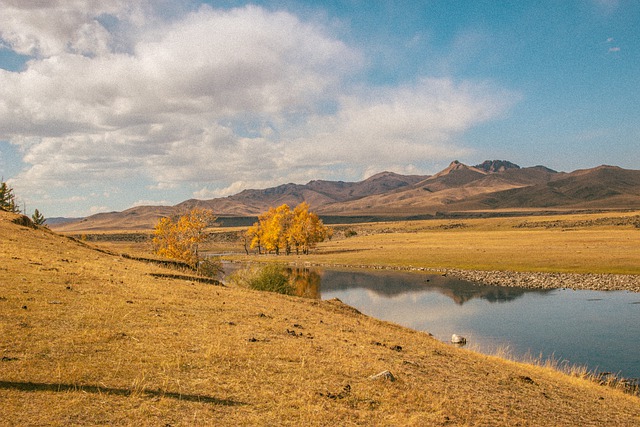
404	124
219	99
43	28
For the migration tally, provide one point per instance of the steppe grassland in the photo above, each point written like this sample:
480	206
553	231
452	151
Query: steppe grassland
90	338
577	243
557	243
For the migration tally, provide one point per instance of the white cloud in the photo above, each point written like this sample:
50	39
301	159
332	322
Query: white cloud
221	100
400	125
47	28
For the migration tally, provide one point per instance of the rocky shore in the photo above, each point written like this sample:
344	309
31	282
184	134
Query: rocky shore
537	280
595	282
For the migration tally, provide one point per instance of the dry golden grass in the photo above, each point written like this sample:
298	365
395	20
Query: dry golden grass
90	338
571	243
494	244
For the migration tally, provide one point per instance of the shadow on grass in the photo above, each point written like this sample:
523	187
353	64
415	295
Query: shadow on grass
190	278
33	387
341	251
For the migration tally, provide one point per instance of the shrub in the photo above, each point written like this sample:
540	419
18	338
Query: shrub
350	233
272	278
38	219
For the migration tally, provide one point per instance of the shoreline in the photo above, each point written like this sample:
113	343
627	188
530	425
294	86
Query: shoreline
532	280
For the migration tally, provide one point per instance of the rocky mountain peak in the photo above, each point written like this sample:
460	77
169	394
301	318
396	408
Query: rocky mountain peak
456	166
496	166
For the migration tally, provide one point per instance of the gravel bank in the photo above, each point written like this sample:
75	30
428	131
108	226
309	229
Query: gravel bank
595	282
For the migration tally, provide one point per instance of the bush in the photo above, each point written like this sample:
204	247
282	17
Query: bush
350	233
271	278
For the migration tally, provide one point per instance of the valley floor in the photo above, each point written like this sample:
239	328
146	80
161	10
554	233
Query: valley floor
91	338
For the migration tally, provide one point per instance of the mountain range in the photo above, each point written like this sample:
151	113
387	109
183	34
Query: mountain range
492	187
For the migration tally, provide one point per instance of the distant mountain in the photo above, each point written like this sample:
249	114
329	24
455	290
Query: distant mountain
496	166
58	220
447	191
316	193
603	187
490	186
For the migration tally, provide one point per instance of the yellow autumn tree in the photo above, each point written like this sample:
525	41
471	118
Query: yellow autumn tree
283	230
273	226
254	237
178	238
307	229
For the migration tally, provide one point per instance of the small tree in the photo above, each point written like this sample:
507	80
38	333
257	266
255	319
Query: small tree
254	236
179	238
37	218
7	198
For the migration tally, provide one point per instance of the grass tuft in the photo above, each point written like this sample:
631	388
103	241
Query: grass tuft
607	379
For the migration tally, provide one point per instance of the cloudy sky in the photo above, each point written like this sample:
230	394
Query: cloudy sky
109	104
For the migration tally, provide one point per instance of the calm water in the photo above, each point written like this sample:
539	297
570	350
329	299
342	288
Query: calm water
597	329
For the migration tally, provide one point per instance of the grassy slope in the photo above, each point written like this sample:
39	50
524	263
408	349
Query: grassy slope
90	338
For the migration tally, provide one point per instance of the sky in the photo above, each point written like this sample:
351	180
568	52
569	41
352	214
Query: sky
109	105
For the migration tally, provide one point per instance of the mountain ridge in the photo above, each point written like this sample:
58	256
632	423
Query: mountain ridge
491	186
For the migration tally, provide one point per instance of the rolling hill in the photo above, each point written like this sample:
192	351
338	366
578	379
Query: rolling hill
492	186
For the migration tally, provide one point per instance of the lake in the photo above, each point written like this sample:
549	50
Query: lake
598	329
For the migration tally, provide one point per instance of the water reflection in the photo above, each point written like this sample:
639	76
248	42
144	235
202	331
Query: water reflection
393	284
596	329
305	281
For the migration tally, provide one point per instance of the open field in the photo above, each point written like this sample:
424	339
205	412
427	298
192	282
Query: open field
499	251
577	243
93	338
516	244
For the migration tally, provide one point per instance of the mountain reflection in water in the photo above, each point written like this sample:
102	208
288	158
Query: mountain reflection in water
314	282
393	283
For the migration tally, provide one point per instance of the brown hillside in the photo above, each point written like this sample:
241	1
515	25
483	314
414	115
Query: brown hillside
601	187
448	190
455	175
136	218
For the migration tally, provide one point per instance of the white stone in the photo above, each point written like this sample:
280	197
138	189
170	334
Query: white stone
385	375
458	339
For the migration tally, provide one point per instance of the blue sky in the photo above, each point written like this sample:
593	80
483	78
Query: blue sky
108	105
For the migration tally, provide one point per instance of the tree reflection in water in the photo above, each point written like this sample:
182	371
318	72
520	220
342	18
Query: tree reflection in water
305	281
